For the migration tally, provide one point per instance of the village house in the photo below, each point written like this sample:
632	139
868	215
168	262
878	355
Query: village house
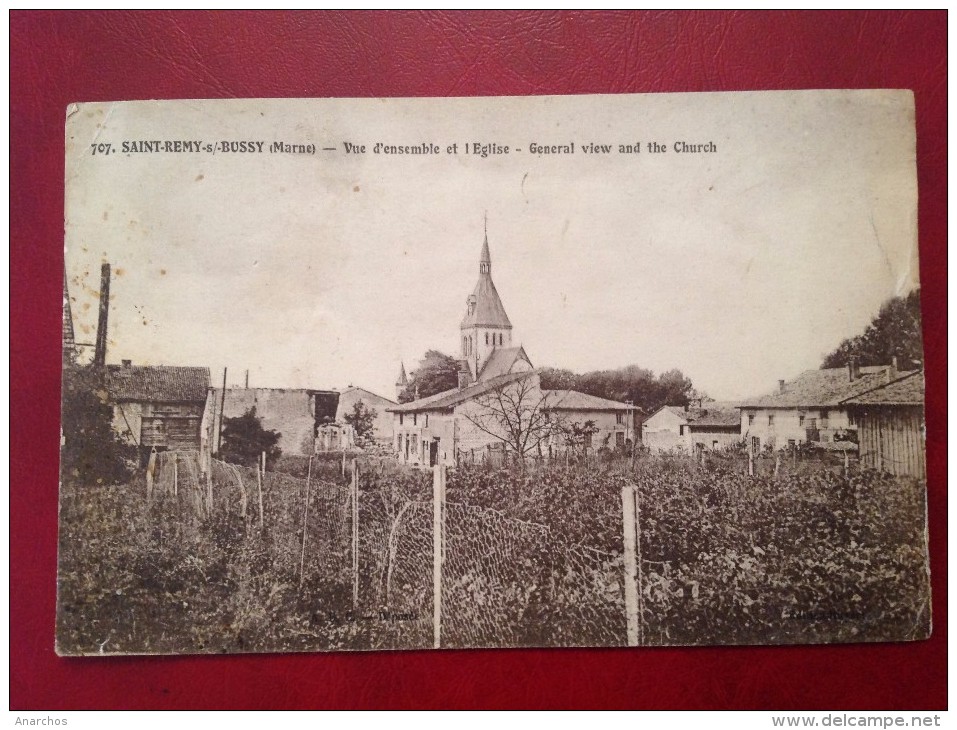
890	425
710	426
296	413
499	403
157	406
811	408
613	422
381	424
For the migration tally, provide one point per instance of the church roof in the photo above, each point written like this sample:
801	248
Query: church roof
501	361
488	310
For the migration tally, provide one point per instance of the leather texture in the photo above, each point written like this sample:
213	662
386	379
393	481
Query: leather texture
57	58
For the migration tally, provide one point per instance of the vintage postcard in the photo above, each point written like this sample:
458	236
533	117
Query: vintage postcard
361	374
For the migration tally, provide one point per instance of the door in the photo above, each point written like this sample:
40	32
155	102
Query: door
434	452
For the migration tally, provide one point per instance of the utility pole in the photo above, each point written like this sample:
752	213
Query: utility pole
99	353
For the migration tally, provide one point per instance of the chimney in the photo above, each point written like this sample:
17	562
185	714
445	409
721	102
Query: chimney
127	364
891	372
853	372
780	386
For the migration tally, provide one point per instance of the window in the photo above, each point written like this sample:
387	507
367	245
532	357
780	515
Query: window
620	418
771	421
500	339
620	438
801	420
824	414
714	445
426	420
750	419
486	338
415	418
401	417
791	444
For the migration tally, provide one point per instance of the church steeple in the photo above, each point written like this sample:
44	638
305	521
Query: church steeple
401	382
485	260
485	326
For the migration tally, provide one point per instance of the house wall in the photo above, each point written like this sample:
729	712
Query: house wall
163	425
891	439
383	421
412	437
787	424
605	421
662	431
710	439
291	412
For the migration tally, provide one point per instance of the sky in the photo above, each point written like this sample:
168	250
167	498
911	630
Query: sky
738	267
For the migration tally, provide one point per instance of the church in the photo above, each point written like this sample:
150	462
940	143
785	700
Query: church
499	404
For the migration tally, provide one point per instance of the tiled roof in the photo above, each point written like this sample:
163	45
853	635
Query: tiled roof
450	398
824	387
501	361
905	391
707	417
157	383
572	400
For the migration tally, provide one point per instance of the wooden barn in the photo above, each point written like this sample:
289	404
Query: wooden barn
157	406
890	425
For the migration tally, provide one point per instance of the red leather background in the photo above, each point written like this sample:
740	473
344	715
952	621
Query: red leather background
57	58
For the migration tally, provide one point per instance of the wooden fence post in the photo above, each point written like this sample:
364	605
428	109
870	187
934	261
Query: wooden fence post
343	462
150	471
175	474
259	490
305	525
438	548
750	463
355	532
632	537
847	464
209	484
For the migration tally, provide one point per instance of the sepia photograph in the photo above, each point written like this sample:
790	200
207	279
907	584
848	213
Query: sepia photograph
581	371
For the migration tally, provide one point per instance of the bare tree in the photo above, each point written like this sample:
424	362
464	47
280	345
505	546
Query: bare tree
515	412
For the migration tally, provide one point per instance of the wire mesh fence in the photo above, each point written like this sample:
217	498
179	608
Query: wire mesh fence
537	556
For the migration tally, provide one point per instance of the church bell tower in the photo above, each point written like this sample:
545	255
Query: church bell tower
486	326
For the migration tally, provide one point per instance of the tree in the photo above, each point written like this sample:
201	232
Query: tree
437	372
92	452
894	332
362	419
244	440
514	412
631	383
578	435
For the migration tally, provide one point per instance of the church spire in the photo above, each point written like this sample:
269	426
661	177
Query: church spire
401	382
485	260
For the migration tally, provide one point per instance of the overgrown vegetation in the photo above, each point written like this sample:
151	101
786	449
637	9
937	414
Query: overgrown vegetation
245	439
92	453
533	557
